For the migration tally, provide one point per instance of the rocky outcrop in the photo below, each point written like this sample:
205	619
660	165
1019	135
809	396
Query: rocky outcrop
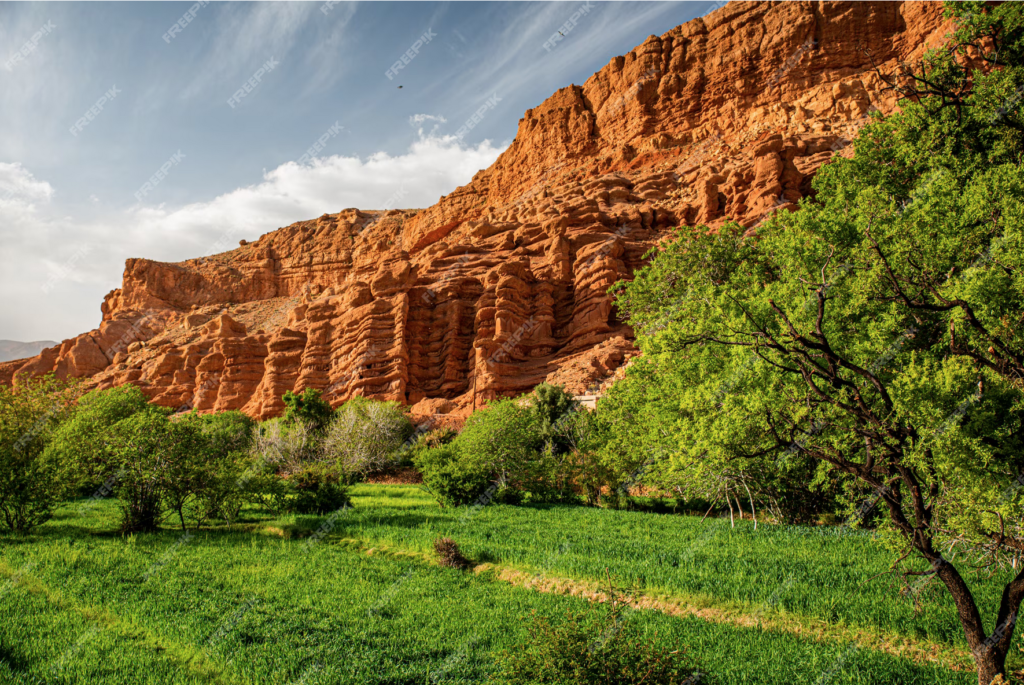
504	283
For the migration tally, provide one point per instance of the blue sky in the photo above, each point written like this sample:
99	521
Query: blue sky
73	204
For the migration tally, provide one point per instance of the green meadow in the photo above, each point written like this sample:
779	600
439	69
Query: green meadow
272	600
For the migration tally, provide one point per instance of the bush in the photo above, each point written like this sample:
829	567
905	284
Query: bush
286	447
595	647
292	472
452	481
33	480
309	409
135	454
314	490
427	441
449	554
366	436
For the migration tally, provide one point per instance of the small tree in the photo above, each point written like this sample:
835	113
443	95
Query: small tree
309	408
233	469
187	470
584	433
502	438
553	405
366	436
33	481
136	453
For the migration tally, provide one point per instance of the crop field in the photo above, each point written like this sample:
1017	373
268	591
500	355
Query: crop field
270	600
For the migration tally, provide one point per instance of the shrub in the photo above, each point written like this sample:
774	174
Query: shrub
33	480
595	647
449	555
366	436
428	440
285	447
309	409
230	483
452	481
315	489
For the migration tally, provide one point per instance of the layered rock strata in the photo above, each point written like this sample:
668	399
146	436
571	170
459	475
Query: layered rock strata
504	283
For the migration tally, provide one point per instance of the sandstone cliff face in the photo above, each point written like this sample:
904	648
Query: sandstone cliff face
503	283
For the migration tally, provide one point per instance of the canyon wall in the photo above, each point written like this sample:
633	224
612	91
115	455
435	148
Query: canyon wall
503	283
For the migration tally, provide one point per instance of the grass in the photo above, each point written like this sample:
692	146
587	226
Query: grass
259	603
819	573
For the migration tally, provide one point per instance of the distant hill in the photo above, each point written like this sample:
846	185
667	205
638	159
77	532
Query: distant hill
12	349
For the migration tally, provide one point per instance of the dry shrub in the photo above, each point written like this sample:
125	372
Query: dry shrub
449	554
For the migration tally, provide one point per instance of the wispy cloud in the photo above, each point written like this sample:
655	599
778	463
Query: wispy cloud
244	35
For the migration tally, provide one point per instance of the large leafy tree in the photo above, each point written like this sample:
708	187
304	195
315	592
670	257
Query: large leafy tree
876	332
33	481
81	439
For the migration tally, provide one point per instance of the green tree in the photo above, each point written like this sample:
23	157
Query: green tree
502	438
308	408
229	484
874	331
82	438
136	453
33	481
553	404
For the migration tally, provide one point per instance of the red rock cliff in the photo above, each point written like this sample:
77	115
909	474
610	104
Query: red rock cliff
502	284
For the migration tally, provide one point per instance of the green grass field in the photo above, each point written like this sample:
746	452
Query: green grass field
257	603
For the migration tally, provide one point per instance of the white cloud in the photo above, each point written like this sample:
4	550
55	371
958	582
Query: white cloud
19	186
417	119
42	244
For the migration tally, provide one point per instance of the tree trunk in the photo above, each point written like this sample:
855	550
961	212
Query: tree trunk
989	651
990	667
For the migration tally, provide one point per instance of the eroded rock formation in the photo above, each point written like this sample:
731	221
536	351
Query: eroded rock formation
503	283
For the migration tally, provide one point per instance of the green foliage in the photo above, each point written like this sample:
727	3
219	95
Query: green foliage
427	440
583	433
83	437
452	480
33	480
502	439
192	467
308	408
552	404
135	454
316	489
594	647
230	481
874	334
